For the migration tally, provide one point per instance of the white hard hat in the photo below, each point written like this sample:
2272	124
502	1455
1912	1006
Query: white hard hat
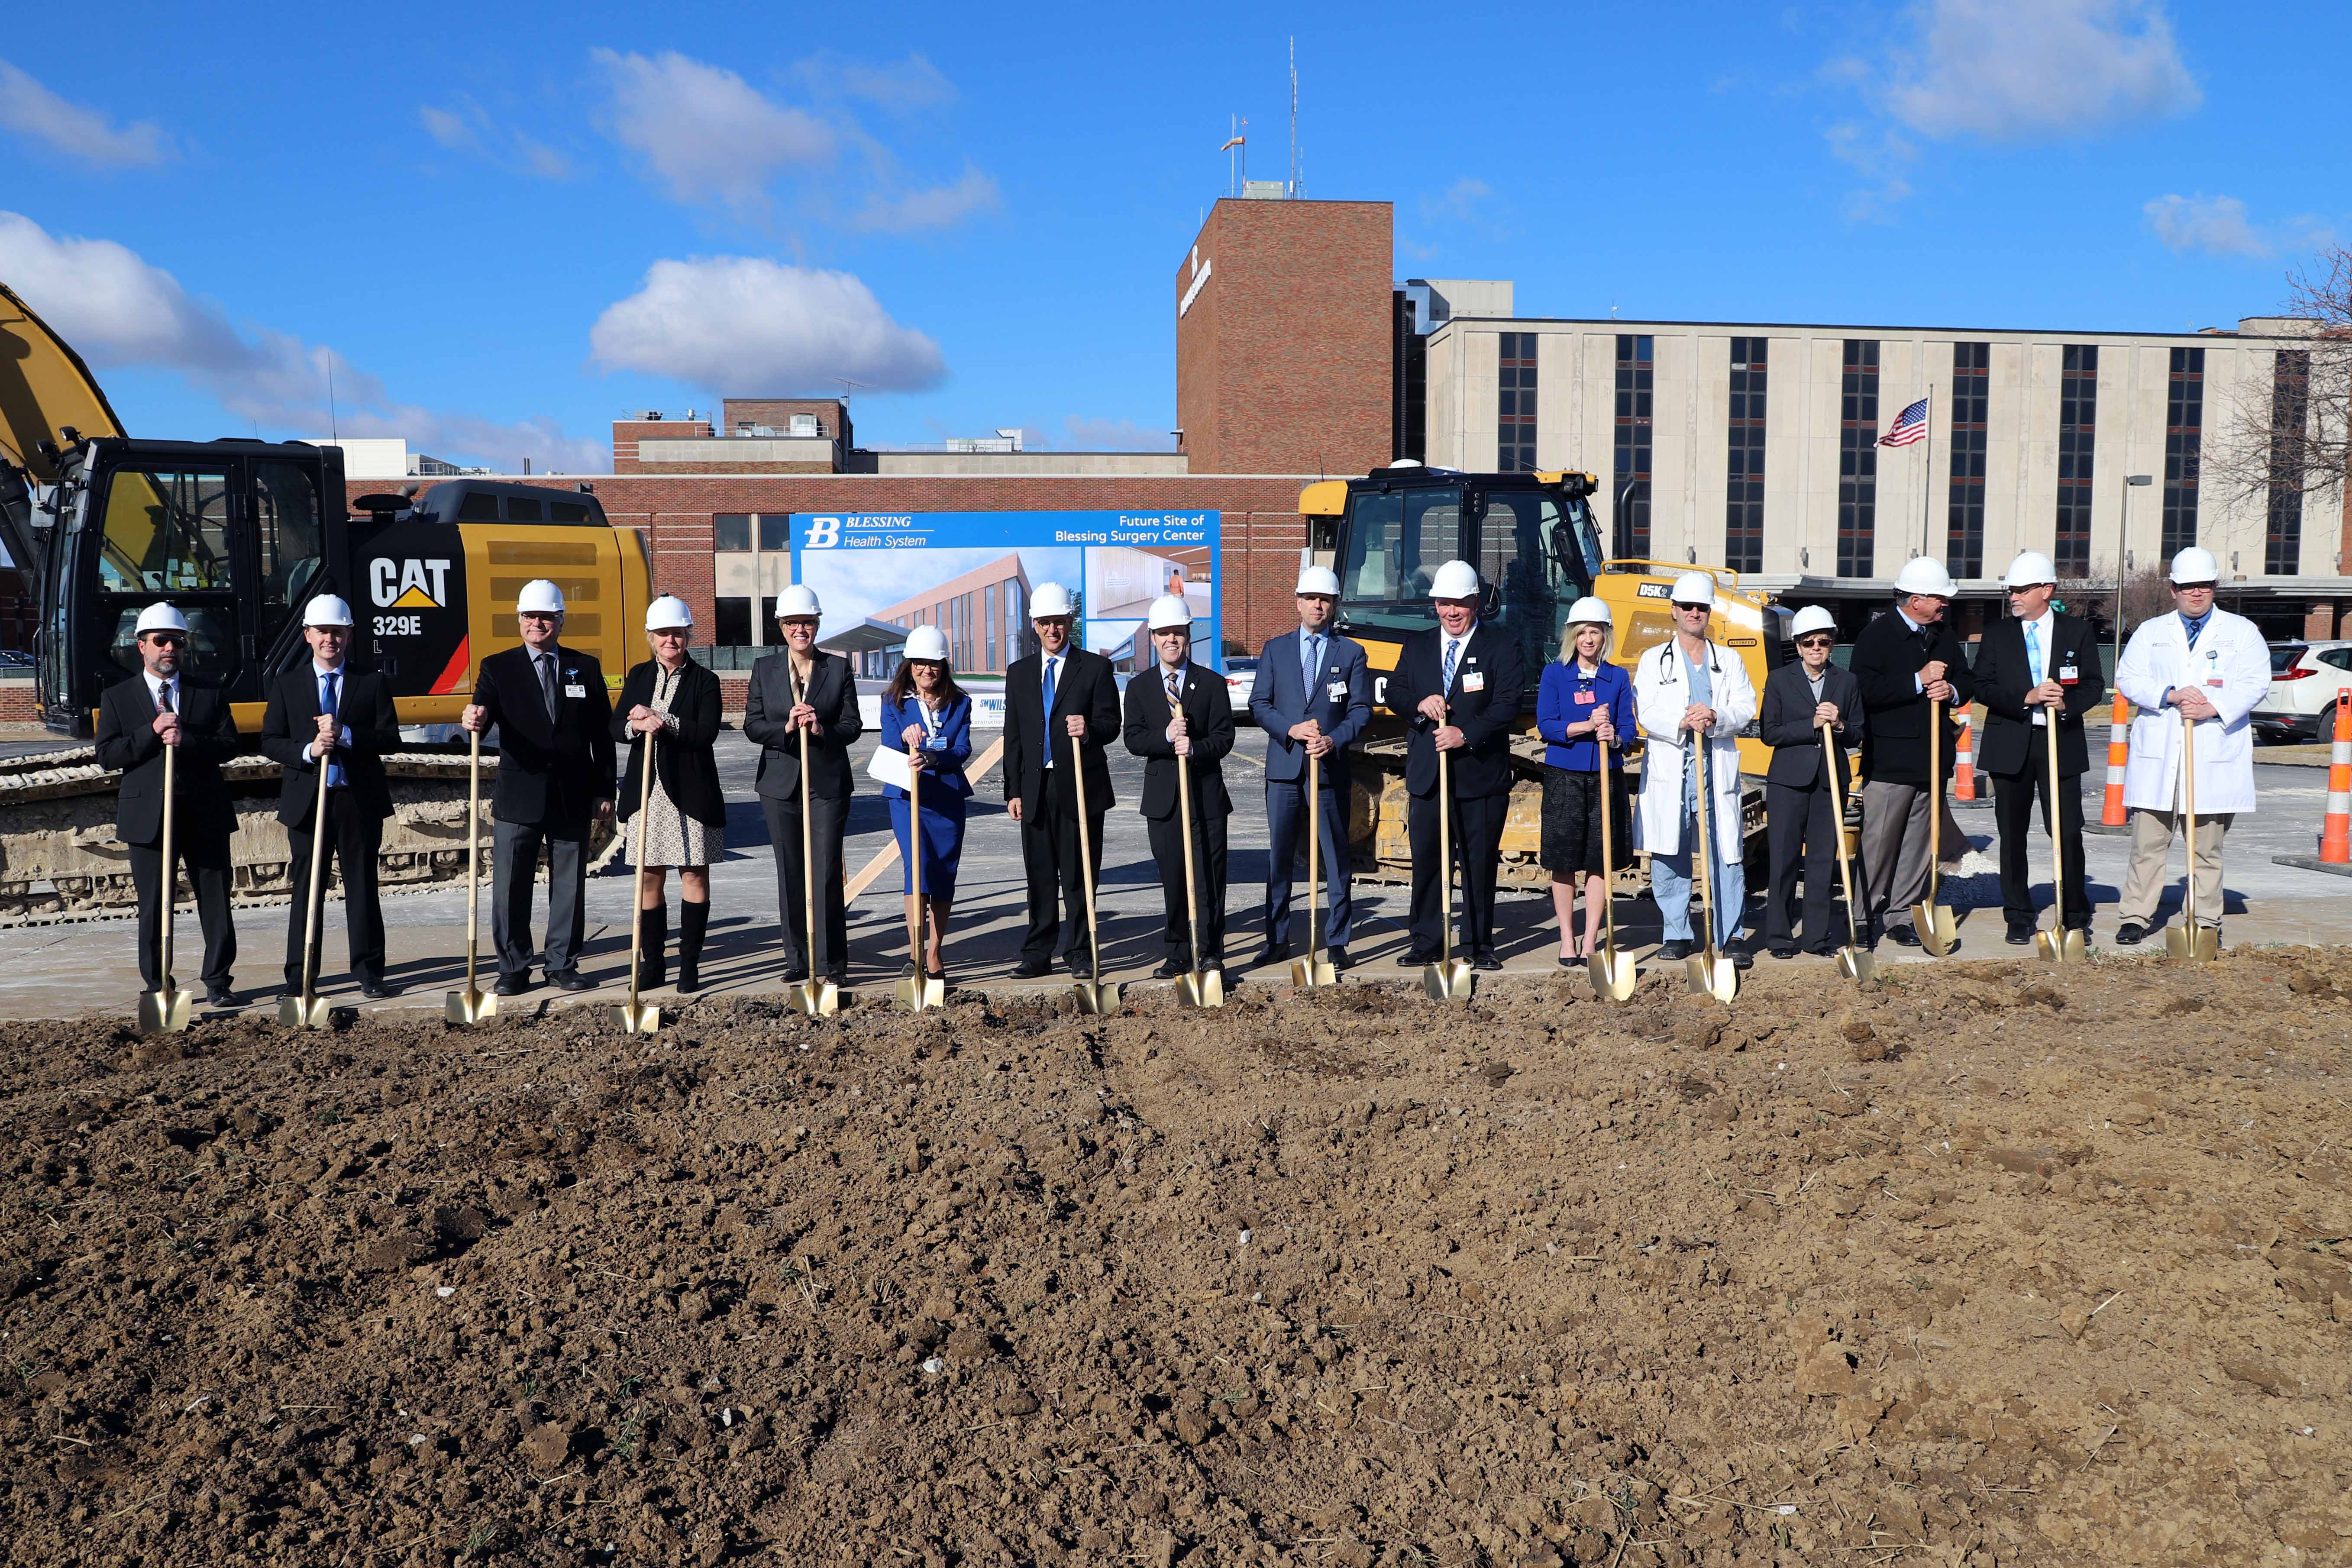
2030	569
798	601
159	617
1810	619
1921	575
540	597
1589	611
326	610
928	644
1049	600
667	613
1169	613
1455	580
1318	580
1693	588
2194	566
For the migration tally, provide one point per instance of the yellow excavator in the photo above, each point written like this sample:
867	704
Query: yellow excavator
239	534
1537	550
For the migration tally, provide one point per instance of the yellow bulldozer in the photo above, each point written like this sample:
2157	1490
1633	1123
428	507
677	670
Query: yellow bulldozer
1537	550
239	534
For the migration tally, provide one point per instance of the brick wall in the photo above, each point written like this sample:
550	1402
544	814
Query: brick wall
18	703
1283	358
627	433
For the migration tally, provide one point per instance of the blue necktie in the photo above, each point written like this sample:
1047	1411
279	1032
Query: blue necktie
2034	650
331	704
2194	627
1311	661
1049	710
1453	651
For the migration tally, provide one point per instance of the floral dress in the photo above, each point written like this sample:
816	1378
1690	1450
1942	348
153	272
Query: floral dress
672	837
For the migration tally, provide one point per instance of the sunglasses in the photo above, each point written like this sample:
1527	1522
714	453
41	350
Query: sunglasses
1823	640
1703	609
168	639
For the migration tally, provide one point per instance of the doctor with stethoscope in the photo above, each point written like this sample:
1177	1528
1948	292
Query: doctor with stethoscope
1692	698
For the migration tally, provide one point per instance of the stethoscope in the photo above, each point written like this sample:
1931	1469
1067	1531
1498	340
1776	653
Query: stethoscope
1670	662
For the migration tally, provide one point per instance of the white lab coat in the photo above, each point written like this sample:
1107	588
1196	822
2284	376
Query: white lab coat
1660	695
2229	650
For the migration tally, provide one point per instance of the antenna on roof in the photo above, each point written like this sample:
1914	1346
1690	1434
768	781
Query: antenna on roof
1294	117
332	434
845	384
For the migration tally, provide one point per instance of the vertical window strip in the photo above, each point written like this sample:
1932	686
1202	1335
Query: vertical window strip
2078	419
2184	419
1971	379
1743	542
2290	410
1858	458
1515	419
1636	368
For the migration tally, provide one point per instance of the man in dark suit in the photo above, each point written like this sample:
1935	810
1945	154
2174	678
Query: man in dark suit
554	720
1312	695
2035	664
1807	782
165	706
1059	703
1178	716
805	688
1460	684
325	710
1905	662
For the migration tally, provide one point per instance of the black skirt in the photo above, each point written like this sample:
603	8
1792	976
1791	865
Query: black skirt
1571	822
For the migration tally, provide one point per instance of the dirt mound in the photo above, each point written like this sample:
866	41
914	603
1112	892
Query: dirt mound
1989	1266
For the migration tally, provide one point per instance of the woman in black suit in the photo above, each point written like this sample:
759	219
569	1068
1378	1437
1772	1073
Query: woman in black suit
685	819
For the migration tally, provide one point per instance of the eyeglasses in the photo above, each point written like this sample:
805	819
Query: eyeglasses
1823	641
1703	609
168	639
668	634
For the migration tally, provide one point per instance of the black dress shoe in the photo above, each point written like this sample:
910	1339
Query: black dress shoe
1741	955
1273	952
1486	962
1784	949
1170	968
1825	948
219	996
1903	936
1339	957
2131	934
1081	966
838	978
1031	968
512	986
1676	950
795	973
570	979
1415	959
375	989
2018	935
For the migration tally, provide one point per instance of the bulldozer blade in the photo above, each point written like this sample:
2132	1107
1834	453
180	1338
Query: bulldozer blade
1857	964
1098	996
1201	988
917	992
302	1012
1715	976
164	1012
1315	968
1448	980
471	1006
817	998
639	1017
2061	946
2195	945
1939	933
1614	974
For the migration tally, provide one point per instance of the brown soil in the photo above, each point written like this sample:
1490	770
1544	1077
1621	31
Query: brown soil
1969	1270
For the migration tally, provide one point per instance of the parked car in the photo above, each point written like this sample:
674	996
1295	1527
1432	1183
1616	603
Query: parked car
2305	679
15	659
1241	677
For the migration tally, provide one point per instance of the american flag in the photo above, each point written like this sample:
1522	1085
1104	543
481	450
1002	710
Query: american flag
1910	425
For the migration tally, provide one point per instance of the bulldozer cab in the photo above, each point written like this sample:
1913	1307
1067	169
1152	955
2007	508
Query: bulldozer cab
238	533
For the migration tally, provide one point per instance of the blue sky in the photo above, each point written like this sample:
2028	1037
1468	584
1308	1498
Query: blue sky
502	226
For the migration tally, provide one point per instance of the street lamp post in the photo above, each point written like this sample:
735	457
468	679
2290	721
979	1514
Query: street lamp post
2123	538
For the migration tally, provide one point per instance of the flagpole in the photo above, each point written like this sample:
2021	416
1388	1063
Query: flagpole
1926	483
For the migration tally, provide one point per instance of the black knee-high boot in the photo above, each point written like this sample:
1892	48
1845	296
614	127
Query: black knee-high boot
693	919
652	965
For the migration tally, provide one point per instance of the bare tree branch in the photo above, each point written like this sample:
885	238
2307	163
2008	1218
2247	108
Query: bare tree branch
2292	437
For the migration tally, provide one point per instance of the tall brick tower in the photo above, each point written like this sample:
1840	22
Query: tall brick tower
1283	338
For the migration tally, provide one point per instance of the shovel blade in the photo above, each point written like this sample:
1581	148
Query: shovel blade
1097	996
1718	976
2061	947
1857	966
817	998
164	1012
1201	988
1448	980
302	1012
917	992
1614	974
2194	944
1939	933
1315	968
471	1006
639	1017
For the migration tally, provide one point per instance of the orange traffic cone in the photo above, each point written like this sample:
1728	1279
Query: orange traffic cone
2336	836
1964	761
2111	815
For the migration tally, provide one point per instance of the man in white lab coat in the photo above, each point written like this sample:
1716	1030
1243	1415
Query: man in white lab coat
1691	697
2207	667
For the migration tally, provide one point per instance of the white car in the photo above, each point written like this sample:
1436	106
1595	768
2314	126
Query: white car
2305	679
1241	679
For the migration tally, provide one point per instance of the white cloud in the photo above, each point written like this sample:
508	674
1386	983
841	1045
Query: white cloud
908	84
2017	70
742	323
1459	203
31	110
941	206
1885	161
466	128
2214	224
447	127
115	308
705	133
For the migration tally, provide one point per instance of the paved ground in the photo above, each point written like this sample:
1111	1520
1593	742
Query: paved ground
90	966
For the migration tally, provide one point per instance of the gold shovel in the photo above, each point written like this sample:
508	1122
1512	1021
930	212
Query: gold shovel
2061	944
816	995
638	1017
1710	973
308	1009
920	989
1315	968
1449	979
1614	974
1198	987
1855	962
164	1011
2188	939
1094	994
473	1004
1939	932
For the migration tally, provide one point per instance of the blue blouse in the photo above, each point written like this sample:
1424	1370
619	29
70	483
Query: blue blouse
947	745
1569	696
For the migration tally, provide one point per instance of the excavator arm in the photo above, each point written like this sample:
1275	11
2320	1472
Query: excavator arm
48	402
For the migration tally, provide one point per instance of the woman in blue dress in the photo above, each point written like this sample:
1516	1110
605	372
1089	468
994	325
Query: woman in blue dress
1584	708
926	716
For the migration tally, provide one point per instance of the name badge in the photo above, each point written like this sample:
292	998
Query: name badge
1585	698
2067	675
1336	692
1475	681
2214	680
575	689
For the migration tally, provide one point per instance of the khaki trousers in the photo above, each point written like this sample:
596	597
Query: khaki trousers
2152	835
